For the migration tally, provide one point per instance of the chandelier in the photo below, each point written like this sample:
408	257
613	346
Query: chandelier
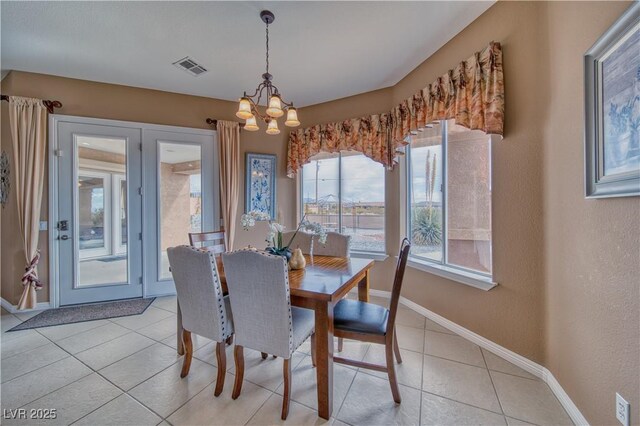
276	106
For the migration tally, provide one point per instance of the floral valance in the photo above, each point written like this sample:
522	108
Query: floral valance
472	93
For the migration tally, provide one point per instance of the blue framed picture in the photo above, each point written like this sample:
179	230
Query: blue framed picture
612	96
260	184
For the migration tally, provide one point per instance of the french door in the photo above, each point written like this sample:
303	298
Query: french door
99	216
179	190
122	193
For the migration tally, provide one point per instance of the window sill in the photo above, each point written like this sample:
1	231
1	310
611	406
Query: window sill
464	277
369	255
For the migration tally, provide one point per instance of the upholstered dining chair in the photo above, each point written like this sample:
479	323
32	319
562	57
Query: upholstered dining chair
212	241
337	245
368	322
302	240
265	321
205	311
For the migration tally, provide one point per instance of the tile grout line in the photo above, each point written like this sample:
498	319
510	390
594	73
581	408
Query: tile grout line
91	347
495	391
47	365
93	370
190	399
262	405
350	386
109	365
70	383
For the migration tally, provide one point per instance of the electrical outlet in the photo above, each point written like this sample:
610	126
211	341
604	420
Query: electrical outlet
622	410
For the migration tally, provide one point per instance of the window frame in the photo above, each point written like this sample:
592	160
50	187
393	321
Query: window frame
442	267
375	255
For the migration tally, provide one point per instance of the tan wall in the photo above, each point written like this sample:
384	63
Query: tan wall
592	247
567	267
91	99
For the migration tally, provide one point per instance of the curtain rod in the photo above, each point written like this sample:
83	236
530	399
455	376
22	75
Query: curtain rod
50	105
214	123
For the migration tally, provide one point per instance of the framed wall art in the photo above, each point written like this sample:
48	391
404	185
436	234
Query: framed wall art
260	184
612	110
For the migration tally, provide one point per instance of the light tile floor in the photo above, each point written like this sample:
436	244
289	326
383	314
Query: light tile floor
126	371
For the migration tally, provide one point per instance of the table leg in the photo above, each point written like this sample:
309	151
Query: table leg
179	330
363	288
324	358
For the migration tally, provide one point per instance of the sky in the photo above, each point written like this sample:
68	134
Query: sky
363	179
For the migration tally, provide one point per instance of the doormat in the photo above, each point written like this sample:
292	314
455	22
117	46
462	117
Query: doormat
82	313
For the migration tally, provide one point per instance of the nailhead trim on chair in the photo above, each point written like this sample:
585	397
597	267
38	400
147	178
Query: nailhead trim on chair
219	296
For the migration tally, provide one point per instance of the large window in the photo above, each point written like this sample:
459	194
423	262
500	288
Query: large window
345	193
449	183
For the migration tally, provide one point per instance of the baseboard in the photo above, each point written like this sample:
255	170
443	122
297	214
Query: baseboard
526	364
13	309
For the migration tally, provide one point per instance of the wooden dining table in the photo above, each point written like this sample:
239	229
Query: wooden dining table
319	286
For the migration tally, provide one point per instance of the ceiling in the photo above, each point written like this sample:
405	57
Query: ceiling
320	51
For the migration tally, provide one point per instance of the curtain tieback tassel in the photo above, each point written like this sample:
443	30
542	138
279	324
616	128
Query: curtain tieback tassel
30	276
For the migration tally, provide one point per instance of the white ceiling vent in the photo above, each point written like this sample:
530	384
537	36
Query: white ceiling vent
191	66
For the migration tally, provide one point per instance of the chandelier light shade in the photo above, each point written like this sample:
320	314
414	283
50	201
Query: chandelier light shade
276	107
272	129
292	118
244	110
251	124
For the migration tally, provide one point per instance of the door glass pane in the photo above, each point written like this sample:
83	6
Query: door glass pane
469	198
99	212
426	194
320	191
180	200
363	202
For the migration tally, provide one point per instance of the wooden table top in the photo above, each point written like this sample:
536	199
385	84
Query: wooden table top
324	278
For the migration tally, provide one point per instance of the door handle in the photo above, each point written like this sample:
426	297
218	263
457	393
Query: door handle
64	237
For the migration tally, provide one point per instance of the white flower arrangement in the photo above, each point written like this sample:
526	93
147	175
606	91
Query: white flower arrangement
274	238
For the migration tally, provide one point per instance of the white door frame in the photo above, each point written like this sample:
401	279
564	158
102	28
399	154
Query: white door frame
54	120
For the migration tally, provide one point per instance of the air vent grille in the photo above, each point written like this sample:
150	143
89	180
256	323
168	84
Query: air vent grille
191	66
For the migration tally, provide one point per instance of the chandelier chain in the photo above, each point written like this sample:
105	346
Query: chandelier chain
267	48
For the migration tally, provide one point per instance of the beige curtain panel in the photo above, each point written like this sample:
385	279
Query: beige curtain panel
229	139
28	121
472	94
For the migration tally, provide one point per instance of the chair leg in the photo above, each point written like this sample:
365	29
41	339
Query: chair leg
313	349
391	371
340	344
286	398
396	348
188	353
221	356
264	355
239	357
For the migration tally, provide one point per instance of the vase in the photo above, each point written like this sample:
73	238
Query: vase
297	260
284	252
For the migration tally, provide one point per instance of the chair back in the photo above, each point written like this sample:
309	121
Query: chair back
199	292
302	240
403	256
337	245
211	241
258	286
